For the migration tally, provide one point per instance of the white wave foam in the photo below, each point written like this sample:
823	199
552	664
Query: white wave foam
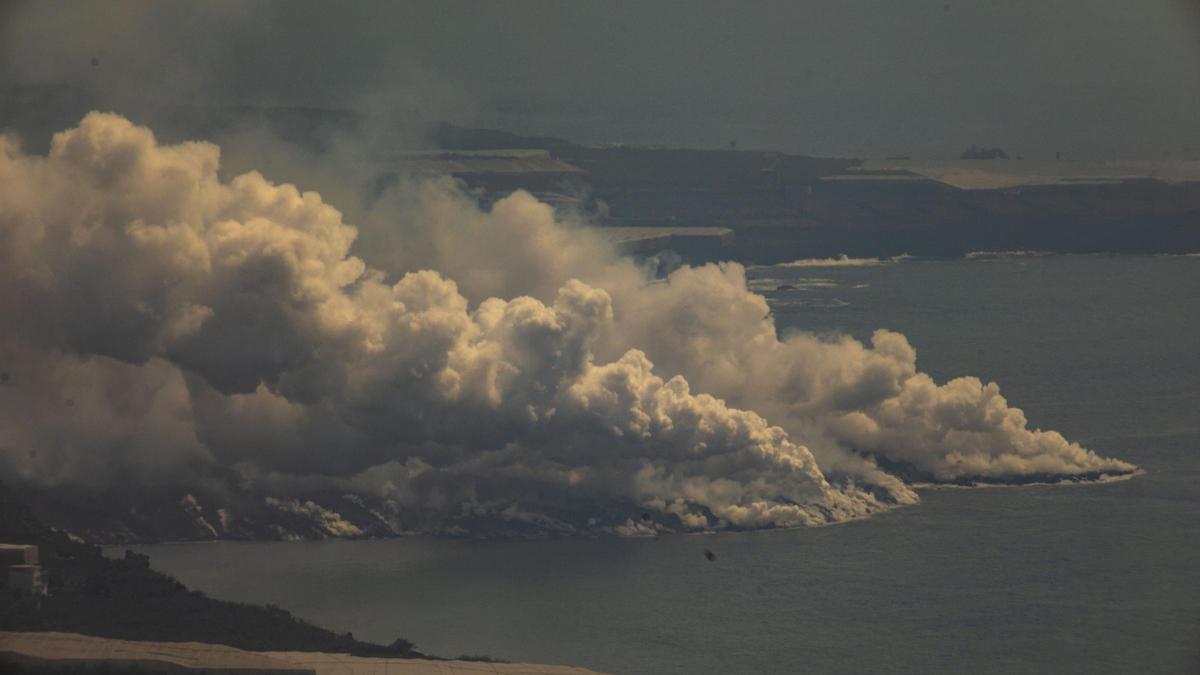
992	255
770	284
845	261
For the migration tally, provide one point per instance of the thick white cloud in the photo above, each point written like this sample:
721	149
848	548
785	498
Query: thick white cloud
847	400
534	376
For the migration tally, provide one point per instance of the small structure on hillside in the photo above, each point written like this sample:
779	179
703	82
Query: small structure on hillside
23	573
27	579
18	554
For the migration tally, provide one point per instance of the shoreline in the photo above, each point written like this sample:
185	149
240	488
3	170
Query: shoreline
35	650
1105	479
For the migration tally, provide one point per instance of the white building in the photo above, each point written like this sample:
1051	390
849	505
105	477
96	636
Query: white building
24	574
27	579
18	554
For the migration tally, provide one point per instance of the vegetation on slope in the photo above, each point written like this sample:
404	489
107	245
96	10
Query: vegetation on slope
125	599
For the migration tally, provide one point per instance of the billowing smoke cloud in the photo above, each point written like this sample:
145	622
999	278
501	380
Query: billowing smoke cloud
494	363
846	400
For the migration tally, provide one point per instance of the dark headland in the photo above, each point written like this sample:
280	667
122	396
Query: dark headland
92	594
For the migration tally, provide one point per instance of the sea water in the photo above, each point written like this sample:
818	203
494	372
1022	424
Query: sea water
1036	579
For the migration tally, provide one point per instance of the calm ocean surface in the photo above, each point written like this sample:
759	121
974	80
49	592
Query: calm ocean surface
1068	579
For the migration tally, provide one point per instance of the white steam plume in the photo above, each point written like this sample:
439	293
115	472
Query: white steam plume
845	399
158	319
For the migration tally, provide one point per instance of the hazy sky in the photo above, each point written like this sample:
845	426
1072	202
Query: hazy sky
1092	78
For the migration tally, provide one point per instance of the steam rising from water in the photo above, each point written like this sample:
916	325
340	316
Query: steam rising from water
495	363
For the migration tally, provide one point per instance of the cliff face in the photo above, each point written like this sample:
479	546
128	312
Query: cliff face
783	207
924	218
